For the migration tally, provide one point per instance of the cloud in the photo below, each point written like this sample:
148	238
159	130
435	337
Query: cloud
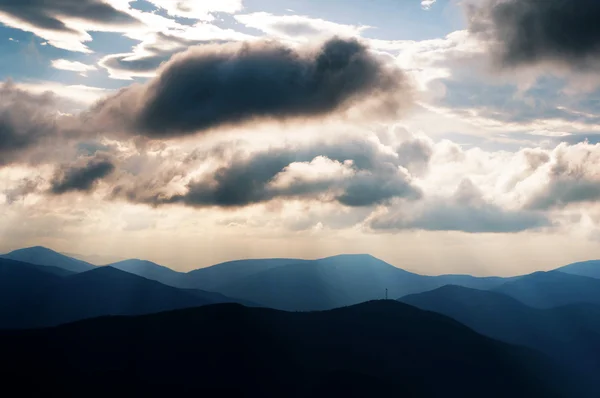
81	177
71	97
297	27
213	86
354	173
158	47
415	154
526	32
25	187
465	211
459	86
64	23
195	9
426	4
72	66
26	121
572	178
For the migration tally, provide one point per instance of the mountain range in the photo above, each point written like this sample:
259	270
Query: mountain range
545	326
36	296
304	285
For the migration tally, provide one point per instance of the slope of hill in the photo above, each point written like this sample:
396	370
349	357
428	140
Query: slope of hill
34	298
216	276
222	277
337	281
282	283
570	334
552	289
377	348
95	259
159	273
13	266
17	282
43	256
584	268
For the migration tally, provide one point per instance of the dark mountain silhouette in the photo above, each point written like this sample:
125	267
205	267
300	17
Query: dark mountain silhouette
17	281
42	256
34	298
337	281
552	289
381	348
584	268
570	334
16	266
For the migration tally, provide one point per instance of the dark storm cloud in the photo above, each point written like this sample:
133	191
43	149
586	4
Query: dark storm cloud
26	120
247	180
466	211
50	14
530	31
81	177
230	84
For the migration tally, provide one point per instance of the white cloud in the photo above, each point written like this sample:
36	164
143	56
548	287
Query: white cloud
297	27
78	95
198	9
426	4
73	66
68	27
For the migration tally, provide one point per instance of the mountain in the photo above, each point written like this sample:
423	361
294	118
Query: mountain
17	282
95	259
290	284
34	298
569	334
552	289
14	266
337	281
43	256
223	275
218	275
150	270
584	268
373	349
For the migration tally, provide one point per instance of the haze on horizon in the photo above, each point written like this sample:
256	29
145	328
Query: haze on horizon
439	136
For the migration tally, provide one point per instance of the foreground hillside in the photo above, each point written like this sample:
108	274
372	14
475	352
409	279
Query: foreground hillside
570	334
375	348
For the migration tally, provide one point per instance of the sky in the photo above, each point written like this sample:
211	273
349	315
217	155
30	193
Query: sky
448	136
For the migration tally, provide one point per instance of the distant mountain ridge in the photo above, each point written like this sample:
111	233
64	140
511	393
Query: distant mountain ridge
552	289
36	296
43	256
305	285
589	268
